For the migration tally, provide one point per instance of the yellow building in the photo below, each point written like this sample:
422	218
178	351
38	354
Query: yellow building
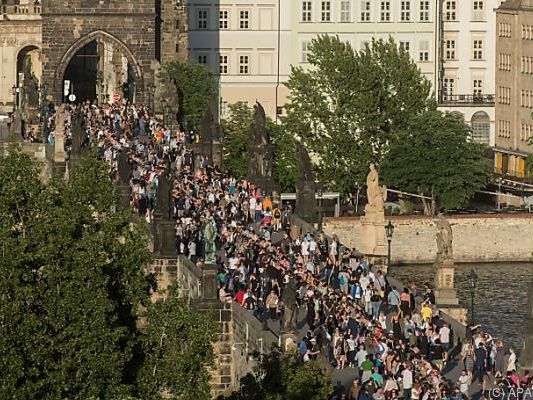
514	86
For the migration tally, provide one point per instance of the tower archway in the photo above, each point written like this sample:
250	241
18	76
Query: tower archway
98	66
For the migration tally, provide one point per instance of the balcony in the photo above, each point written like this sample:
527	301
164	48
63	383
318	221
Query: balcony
467	99
15	12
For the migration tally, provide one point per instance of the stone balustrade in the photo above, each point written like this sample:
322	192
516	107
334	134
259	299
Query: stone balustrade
29	11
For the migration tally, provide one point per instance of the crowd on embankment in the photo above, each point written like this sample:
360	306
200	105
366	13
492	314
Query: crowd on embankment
354	318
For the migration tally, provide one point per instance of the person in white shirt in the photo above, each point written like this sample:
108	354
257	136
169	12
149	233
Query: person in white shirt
407	382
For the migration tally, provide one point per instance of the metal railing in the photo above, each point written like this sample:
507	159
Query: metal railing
468	99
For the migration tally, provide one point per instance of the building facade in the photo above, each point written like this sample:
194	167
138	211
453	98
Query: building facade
514	80
412	23
20	40
467	81
247	46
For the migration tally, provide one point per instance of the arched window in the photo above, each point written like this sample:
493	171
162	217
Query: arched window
481	127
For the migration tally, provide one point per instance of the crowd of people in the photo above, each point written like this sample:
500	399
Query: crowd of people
396	343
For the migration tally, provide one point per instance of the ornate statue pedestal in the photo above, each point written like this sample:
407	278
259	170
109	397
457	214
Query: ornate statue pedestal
445	292
460	314
289	341
209	282
373	224
123	193
306	201
165	238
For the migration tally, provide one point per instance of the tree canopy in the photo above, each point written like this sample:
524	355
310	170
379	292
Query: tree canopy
73	287
284	377
193	85
435	156
349	105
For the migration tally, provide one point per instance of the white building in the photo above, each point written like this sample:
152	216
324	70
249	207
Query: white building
412	23
247	45
468	55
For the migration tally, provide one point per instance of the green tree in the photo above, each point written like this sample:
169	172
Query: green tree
348	106
285	166
193	85
178	350
435	156
282	377
236	130
72	283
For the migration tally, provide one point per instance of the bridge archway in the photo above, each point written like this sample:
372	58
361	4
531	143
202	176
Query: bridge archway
97	66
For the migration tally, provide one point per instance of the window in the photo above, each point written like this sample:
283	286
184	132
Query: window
504	62
449	14
305	51
477	88
504	95
504	128
244	65
449	88
450	49
223	64
244	19
405	11
480	127
306	11
424	10
423	51
203	19
346	12
385	11
365	11
223	18
478	49
405	46
326	11
478	11
202	59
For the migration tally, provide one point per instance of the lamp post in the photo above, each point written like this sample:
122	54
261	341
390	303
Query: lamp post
15	90
472	282
151	90
389	230
44	112
164	102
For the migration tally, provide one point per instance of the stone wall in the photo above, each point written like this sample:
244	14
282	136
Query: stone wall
476	238
189	276
250	339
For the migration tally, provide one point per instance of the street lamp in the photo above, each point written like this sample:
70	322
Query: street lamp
472	281
389	230
151	90
15	91
44	112
164	102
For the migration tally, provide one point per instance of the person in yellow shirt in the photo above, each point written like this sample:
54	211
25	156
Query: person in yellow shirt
426	311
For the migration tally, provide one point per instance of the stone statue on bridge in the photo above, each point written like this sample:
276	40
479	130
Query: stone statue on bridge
78	132
210	235
444	240
164	208
376	195
290	316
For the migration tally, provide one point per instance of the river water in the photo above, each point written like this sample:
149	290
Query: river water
500	295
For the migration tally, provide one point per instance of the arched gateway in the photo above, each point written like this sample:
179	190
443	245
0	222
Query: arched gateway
95	49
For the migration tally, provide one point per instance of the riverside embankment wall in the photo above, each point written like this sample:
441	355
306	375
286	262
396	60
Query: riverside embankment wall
476	238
